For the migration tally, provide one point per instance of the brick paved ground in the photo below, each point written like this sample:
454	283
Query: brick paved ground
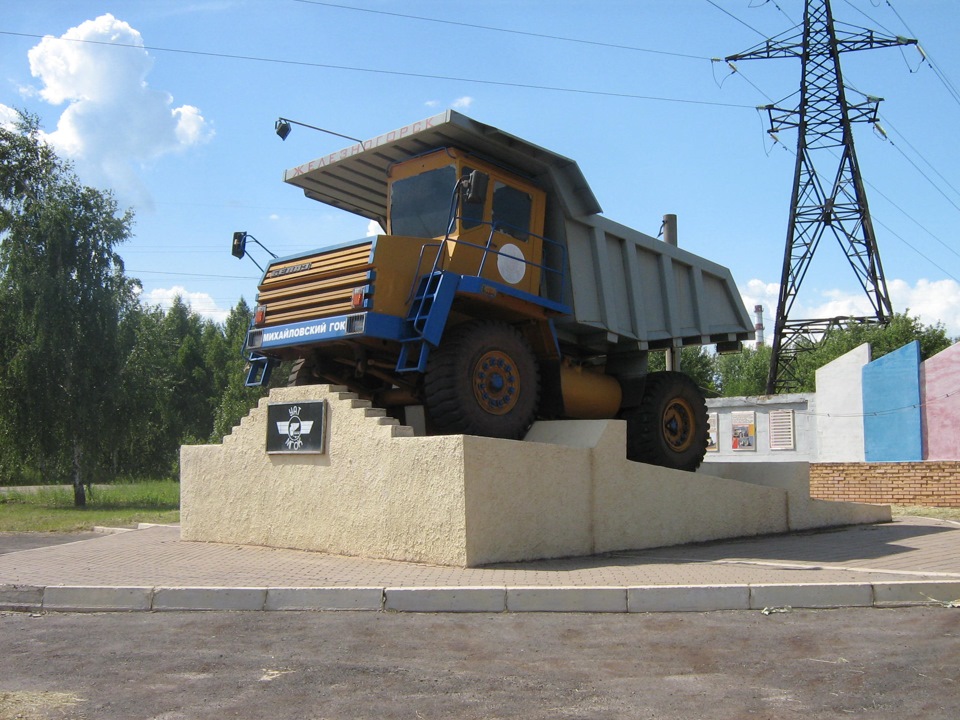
908	548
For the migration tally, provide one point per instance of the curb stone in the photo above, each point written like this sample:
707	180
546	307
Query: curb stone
492	599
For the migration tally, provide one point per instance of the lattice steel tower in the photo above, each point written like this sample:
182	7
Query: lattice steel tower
823	122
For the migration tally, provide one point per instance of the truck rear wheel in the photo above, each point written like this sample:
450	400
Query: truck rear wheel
669	428
482	380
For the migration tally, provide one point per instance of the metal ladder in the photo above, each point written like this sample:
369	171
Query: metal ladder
426	319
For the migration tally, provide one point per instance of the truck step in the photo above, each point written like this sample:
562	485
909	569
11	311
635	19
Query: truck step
413	356
260	371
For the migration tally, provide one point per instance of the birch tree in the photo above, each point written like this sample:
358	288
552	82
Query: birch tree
62	295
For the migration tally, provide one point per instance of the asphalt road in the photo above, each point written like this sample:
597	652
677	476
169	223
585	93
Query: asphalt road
12	542
892	663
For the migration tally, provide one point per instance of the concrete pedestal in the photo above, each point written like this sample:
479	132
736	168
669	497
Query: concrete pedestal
567	489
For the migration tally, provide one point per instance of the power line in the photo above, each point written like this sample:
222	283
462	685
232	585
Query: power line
510	31
941	76
730	14
887	122
187	274
912	247
875	413
899	237
925	177
394	73
878	24
782	11
736	70
905	157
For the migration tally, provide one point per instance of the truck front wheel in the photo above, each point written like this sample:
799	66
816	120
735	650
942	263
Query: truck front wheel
482	380
303	372
669	428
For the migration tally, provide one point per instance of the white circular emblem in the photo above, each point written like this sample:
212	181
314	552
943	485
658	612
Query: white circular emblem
510	264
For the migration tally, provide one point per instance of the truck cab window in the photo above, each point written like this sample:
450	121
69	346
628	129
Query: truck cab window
420	205
511	211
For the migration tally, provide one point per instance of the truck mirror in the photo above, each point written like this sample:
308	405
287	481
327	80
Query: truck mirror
239	245
475	188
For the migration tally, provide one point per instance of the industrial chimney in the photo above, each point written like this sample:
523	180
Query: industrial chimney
758	309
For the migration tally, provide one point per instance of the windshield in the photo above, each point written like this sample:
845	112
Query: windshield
420	205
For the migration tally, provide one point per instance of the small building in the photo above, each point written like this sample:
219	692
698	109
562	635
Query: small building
885	430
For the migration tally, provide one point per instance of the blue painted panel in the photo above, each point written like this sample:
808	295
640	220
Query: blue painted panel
891	407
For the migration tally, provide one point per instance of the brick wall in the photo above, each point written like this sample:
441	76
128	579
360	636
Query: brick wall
934	484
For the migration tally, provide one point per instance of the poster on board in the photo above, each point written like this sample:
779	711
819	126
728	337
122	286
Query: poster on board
744	431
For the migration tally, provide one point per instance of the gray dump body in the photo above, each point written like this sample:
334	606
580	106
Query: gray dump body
627	289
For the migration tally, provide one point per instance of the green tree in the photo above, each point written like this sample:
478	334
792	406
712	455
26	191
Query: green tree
901	330
62	295
743	373
236	399
146	382
190	411
697	362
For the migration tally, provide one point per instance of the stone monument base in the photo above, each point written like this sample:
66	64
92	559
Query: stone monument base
378	491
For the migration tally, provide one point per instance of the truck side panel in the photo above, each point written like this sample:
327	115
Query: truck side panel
635	287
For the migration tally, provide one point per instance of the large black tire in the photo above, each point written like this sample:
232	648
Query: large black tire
669	428
483	380
303	372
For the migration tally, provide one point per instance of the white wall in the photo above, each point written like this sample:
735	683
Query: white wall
840	407
828	424
803	406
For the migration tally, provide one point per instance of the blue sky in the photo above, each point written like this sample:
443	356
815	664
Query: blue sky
183	134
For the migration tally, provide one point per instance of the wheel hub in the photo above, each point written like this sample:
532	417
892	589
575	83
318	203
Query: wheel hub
496	382
678	425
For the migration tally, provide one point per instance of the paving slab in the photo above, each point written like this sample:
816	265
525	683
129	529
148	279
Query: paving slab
908	561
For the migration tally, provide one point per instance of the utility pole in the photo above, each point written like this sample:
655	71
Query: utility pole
823	121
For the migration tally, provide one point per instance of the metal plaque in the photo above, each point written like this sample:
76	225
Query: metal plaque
297	427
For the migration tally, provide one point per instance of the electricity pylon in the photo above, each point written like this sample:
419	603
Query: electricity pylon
823	122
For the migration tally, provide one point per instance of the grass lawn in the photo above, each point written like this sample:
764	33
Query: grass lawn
121	505
930	512
126	504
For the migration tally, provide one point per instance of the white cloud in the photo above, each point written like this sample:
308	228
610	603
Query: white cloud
200	302
931	301
191	128
373	228
114	121
461	103
8	117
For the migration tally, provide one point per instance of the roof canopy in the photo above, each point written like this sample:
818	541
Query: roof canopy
355	178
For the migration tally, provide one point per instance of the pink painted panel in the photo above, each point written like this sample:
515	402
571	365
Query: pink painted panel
940	395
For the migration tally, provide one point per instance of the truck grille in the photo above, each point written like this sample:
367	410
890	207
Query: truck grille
319	285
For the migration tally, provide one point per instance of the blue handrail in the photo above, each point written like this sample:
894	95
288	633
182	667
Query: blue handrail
488	250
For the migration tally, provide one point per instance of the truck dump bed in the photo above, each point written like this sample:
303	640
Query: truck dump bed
623	286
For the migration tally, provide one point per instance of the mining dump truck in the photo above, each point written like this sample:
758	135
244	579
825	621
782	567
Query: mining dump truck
496	295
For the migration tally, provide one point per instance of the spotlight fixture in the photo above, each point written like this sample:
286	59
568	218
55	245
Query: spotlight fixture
239	248
283	128
239	245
